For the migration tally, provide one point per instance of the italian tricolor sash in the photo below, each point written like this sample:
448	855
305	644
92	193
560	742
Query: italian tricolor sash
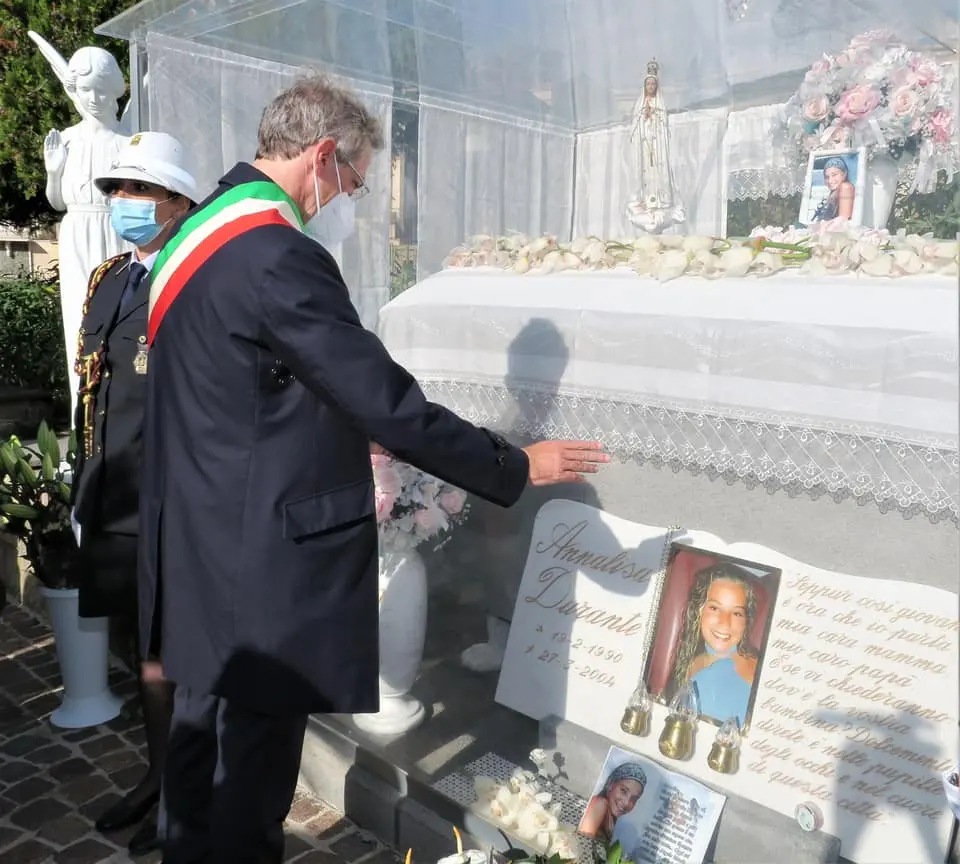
236	211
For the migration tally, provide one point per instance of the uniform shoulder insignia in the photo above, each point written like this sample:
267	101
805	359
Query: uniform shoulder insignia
102	271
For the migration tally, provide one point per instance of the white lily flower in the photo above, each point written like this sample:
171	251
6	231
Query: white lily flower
736	262
521	265
672	241
564	844
946	249
951	269
579	245
542	244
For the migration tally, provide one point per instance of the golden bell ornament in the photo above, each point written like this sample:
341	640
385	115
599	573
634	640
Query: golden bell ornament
724	755
676	739
636	716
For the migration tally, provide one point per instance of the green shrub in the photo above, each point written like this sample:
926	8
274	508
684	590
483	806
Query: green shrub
32	353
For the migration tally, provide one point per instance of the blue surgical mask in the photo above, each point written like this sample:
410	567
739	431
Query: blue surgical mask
135	220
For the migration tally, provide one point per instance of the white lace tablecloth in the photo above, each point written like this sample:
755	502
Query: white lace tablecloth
841	385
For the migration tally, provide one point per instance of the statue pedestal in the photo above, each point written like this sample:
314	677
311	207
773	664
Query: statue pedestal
488	656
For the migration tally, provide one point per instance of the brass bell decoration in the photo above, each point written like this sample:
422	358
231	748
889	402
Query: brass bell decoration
636	716
676	739
724	756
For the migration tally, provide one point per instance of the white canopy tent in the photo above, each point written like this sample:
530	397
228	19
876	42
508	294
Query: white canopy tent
523	104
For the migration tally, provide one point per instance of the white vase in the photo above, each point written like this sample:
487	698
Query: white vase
83	651
403	628
880	190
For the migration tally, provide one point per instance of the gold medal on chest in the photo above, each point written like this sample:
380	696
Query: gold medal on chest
140	361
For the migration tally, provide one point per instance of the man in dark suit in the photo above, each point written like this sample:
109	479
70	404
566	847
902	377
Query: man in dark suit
259	549
150	189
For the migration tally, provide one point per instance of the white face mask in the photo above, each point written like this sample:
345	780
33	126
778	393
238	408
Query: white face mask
335	221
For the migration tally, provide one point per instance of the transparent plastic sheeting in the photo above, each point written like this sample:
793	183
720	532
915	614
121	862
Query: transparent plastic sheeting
524	105
212	101
572	63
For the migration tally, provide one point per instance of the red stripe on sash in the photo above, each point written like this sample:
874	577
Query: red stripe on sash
199	256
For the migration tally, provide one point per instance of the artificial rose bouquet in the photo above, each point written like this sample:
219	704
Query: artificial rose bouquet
883	96
412	506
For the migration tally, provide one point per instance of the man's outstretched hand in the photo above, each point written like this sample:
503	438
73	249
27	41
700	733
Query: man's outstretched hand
564	461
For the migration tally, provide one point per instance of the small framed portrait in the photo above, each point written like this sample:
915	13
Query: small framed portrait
712	624
834	187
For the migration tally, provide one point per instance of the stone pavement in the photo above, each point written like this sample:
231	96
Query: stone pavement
54	782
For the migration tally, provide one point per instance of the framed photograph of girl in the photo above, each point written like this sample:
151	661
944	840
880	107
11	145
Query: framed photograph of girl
834	187
712	624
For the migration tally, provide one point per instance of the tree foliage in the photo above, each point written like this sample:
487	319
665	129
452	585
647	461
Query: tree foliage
32	100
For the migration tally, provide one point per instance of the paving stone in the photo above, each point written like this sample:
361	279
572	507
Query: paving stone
94	809
102	745
24	744
76	735
28	852
8	835
86	852
16	770
384	856
118	760
37	814
318	856
65	830
71	769
84	789
49	755
127	778
137	736
304	809
28	790
294	846
328	824
353	845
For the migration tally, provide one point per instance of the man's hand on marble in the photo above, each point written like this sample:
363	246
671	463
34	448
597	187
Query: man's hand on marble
564	461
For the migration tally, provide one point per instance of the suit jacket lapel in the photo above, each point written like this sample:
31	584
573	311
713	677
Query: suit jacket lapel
110	292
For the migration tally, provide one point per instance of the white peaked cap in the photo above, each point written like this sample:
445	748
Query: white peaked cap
153	157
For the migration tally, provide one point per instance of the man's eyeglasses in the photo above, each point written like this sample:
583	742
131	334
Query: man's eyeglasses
362	189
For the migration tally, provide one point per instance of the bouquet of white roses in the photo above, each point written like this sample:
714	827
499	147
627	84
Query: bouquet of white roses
883	96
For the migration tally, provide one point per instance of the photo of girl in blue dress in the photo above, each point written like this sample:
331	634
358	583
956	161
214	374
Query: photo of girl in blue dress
711	628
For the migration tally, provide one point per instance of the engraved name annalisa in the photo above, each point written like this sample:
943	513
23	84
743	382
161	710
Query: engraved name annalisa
556	581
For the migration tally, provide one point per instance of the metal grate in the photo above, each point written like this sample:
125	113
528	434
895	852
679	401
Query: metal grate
459	787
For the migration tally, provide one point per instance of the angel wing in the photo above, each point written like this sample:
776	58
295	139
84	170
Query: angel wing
56	61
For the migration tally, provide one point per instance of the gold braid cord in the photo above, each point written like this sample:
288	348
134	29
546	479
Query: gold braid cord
87	366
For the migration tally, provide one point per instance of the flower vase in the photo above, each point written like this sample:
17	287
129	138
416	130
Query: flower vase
403	628
880	190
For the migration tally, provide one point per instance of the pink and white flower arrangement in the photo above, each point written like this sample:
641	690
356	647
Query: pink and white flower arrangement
883	96
411	505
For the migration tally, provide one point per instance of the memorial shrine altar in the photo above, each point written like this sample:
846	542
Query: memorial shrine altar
807	419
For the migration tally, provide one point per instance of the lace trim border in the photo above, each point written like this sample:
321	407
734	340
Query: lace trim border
776	453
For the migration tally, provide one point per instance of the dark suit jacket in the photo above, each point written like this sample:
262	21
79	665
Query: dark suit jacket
106	485
258	529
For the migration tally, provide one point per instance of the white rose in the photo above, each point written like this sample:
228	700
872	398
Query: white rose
880	266
696	243
670	264
908	262
647	243
736	261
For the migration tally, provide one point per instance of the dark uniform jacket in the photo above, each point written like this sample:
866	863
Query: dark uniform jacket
109	425
109	418
258	533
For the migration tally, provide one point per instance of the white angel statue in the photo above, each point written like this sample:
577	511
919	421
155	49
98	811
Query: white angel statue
656	205
73	159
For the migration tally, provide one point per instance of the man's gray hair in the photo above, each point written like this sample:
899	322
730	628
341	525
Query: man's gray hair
312	109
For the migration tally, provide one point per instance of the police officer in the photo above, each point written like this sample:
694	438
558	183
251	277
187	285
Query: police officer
149	189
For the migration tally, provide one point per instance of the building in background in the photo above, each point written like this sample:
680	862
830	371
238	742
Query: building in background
26	251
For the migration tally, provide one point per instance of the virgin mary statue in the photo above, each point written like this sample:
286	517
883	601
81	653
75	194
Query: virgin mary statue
656	205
